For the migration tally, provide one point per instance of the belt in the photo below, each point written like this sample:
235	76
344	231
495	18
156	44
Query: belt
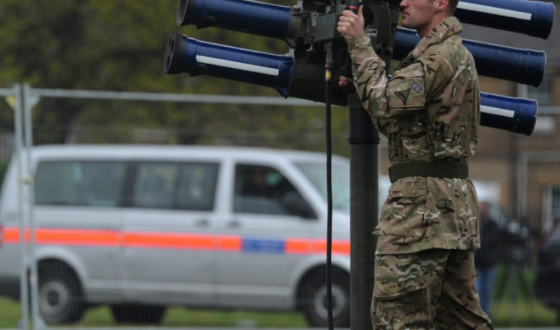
429	169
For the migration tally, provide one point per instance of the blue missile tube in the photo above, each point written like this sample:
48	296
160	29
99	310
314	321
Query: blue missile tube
518	65
251	17
508	113
202	58
195	57
534	18
524	66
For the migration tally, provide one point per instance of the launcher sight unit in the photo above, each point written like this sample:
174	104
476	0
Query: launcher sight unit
309	26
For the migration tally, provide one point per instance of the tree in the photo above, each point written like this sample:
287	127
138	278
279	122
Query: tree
118	46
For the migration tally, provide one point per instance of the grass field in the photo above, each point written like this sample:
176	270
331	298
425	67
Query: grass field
9	313
523	314
520	309
506	314
175	317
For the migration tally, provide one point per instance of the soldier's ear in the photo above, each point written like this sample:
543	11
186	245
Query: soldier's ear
441	5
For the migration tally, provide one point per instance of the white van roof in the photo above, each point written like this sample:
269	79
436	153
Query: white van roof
136	151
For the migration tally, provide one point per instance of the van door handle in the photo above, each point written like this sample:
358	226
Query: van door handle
234	224
202	223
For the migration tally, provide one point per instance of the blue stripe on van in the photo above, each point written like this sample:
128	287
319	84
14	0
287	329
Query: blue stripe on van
255	245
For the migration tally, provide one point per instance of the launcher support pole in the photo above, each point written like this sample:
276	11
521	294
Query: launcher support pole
364	168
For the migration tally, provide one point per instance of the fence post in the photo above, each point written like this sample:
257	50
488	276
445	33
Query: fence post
18	130
29	102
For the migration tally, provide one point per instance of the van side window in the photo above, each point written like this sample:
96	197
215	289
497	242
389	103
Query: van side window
155	185
186	186
197	187
264	190
79	183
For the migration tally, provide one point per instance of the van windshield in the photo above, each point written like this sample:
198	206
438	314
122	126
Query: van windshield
317	173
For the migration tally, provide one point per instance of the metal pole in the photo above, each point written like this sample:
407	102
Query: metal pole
364	168
517	210
24	293
28	180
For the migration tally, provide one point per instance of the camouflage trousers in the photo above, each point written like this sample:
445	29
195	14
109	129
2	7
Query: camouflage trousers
431	288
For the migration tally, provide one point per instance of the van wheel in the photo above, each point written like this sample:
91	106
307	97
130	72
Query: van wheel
138	314
314	295
60	299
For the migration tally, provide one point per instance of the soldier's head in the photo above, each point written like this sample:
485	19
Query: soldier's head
424	15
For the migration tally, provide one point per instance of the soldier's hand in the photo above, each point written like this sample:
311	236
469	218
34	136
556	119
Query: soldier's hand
351	25
346	84
343	81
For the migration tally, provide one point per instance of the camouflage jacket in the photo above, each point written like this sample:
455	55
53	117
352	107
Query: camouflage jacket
429	111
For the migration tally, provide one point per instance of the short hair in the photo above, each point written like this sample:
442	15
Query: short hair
452	6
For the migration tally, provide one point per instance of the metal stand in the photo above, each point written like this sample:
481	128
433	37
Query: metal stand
513	278
364	168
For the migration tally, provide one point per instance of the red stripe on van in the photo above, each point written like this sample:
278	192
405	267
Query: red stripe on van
230	243
170	241
338	246
166	240
297	246
11	235
77	237
307	246
66	236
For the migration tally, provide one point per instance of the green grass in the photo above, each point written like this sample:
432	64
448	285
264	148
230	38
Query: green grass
181	317
175	317
10	313
523	314
528	313
521	309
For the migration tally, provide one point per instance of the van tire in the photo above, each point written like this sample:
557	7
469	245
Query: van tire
60	298
314	304
138	314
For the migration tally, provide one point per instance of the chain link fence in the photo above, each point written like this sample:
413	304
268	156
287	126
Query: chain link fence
206	211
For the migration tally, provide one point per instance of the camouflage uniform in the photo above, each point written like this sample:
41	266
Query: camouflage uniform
429	111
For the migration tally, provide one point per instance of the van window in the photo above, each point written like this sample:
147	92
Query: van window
197	187
79	183
264	190
317	173
187	186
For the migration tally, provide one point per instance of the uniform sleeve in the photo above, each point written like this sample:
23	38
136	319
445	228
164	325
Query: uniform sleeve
381	97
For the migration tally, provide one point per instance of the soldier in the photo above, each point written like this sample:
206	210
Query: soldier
429	111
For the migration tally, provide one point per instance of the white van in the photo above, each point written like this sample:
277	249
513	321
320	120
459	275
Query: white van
141	228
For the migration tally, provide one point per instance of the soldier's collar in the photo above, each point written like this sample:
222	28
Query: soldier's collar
448	27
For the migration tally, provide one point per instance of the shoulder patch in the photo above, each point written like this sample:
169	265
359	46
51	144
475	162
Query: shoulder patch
416	87
403	95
